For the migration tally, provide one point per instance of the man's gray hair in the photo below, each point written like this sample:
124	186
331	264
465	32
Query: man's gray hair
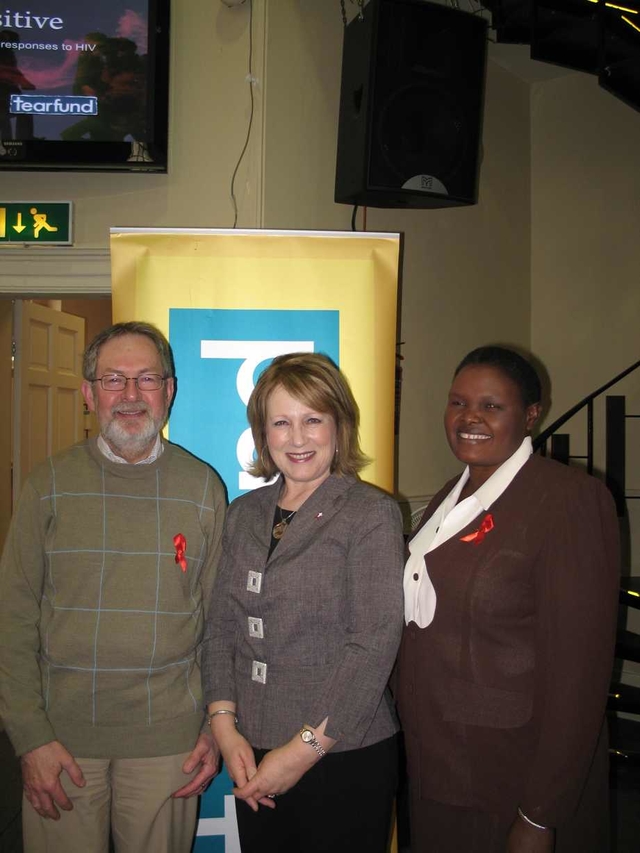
90	359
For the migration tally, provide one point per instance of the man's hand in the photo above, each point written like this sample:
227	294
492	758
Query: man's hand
524	838
41	769
206	756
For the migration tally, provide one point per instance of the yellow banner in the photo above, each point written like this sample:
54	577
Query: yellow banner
161	275
229	301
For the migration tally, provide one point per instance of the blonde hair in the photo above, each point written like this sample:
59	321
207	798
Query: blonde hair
314	379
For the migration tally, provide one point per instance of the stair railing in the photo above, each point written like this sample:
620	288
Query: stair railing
540	442
622	697
615	450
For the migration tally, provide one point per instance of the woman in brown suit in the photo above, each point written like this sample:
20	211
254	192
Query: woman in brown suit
510	609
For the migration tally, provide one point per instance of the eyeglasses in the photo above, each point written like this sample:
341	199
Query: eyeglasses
118	382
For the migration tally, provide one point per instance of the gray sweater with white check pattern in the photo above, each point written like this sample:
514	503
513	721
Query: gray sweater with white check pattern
100	628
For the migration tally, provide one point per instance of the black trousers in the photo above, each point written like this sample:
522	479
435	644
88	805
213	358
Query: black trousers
342	805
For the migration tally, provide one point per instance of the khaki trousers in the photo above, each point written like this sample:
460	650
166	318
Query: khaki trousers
129	796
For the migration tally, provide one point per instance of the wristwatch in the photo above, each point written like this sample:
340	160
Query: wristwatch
308	737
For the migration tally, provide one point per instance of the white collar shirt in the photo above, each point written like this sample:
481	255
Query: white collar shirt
450	518
156	451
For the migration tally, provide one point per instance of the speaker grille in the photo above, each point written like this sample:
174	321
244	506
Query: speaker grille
421	131
411	106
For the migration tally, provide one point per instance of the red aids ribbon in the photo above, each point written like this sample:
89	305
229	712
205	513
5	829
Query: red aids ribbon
478	535
181	546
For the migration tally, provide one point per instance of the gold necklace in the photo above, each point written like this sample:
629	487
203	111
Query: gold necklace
280	527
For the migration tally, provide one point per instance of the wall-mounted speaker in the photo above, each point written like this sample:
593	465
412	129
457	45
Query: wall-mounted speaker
411	106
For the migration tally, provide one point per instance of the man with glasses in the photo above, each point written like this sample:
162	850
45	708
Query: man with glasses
104	585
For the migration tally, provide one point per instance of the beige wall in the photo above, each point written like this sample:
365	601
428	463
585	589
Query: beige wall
586	256
534	260
466	282
209	105
466	270
304	54
585	240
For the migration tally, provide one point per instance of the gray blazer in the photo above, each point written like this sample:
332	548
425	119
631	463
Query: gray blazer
313	631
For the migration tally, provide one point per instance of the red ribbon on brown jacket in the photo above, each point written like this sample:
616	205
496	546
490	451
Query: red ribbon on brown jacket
478	535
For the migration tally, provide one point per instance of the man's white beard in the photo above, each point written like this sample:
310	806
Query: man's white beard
132	444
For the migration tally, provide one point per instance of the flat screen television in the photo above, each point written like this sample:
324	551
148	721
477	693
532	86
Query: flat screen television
84	85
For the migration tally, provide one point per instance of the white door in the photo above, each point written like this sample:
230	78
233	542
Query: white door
48	404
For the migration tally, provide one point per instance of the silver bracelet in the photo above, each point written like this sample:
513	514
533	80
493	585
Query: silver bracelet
531	822
222	711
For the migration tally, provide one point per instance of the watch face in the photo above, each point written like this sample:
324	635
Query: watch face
306	735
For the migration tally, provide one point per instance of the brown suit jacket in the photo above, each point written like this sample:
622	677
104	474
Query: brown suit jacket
502	696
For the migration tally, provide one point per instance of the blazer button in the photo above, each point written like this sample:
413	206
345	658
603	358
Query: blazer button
256	627
415	576
254	582
259	672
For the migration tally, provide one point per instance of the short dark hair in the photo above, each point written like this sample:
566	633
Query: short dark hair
314	379
513	365
90	359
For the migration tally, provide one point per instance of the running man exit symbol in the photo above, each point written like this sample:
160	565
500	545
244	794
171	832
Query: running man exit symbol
39	222
35	222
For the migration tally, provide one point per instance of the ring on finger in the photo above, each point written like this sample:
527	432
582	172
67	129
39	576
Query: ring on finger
271	796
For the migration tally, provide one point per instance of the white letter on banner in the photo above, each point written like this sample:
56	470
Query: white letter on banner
251	353
226	826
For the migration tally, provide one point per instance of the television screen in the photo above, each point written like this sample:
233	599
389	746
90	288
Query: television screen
84	85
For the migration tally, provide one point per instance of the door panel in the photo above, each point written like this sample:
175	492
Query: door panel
67	412
36	427
48	375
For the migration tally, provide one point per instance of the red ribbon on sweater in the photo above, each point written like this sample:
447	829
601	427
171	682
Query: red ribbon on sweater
181	546
478	535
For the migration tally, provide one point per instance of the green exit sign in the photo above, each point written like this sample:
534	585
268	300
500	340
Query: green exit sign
35	222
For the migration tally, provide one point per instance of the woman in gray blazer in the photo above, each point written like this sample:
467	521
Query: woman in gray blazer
304	626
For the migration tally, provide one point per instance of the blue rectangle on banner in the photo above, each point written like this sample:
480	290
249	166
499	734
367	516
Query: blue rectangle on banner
219	354
210	844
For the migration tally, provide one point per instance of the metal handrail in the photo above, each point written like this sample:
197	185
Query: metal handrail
540	440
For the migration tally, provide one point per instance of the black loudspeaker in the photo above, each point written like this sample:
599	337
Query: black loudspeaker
411	106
